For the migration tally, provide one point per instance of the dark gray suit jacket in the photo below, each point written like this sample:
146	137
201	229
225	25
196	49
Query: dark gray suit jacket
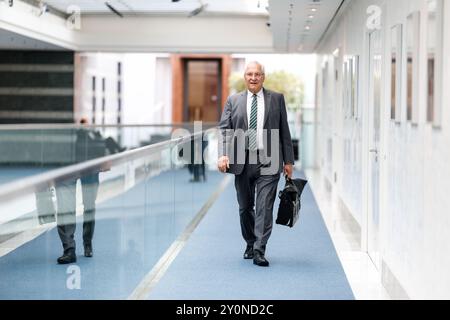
234	124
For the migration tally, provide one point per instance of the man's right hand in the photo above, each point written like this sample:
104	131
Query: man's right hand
223	164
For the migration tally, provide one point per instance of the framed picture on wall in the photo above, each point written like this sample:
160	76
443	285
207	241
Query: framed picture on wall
324	75
354	87
350	87
412	67
435	39
345	101
396	72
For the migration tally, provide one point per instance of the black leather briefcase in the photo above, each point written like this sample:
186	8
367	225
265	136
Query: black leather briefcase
289	209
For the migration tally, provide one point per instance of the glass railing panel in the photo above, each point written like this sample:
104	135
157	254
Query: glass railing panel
192	187
159	214
34	149
130	207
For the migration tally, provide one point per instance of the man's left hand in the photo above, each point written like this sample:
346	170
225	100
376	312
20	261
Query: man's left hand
289	170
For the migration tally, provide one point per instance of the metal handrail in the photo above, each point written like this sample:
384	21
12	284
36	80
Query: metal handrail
43	180
42	126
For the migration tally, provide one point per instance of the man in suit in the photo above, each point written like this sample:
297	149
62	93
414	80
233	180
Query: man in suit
255	145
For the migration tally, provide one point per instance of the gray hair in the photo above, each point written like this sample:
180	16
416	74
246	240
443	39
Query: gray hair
263	69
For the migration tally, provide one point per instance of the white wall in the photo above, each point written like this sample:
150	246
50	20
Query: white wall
147	95
100	66
175	34
147	89
139	88
414	171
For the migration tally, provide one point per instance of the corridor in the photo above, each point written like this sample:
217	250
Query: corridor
102	102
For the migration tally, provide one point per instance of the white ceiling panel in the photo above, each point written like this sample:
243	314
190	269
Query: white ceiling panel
298	25
285	26
250	7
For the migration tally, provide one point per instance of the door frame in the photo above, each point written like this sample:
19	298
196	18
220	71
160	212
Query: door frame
186	85
179	75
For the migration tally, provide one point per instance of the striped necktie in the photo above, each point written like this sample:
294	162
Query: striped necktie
252	143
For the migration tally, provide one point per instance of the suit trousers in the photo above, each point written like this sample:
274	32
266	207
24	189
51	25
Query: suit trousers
256	225
66	218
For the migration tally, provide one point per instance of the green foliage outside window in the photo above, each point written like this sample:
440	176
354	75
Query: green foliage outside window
280	81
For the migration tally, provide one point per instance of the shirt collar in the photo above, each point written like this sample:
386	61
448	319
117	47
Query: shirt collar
260	94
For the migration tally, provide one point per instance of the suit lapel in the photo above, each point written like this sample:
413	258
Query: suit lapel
242	104
266	106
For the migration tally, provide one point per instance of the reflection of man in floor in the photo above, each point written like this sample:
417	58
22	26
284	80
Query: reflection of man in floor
89	145
198	170
66	197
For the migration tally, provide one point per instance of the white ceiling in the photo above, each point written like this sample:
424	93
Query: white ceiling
280	27
290	18
252	7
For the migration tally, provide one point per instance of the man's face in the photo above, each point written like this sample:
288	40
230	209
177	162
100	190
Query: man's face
254	78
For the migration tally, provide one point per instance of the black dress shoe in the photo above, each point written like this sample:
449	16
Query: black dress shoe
248	254
259	259
88	251
67	258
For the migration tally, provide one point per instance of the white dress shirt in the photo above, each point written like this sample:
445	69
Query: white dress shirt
261	112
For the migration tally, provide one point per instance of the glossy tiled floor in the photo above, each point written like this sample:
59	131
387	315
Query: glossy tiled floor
362	275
